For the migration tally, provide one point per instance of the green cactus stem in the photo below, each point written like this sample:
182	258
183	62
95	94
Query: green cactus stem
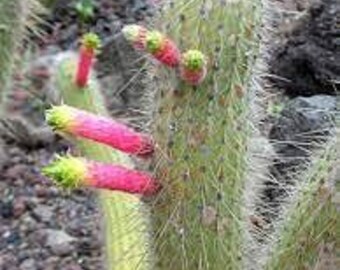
15	17
311	220
125	216
11	31
202	135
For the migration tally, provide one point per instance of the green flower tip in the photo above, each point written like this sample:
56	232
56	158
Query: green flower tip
91	41
131	31
58	117
67	171
154	40
194	59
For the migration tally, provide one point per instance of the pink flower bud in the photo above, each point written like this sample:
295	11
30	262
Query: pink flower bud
100	129
136	35
193	68
90	43
163	49
71	172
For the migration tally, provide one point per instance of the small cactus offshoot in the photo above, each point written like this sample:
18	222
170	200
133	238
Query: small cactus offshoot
72	172
193	67
100	129
90	43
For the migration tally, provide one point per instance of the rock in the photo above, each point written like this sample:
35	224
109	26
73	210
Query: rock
28	264
6	209
305	120
43	213
307	63
304	124
60	242
19	207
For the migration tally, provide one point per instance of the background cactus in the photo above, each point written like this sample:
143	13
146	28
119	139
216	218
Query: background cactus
125	215
15	17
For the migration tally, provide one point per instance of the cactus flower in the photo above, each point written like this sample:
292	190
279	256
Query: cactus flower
100	129
90	43
193	68
73	172
163	49
136	35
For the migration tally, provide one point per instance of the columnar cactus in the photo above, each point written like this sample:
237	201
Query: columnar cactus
194	215
201	129
125	215
12	18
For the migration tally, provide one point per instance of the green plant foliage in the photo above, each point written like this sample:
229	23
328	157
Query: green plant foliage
85	10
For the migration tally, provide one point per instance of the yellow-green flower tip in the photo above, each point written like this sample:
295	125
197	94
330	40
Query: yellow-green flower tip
91	41
59	117
67	171
194	60
154	41
131	31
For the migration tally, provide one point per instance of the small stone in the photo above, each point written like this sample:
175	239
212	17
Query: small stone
43	213
28	264
6	209
19	207
60	242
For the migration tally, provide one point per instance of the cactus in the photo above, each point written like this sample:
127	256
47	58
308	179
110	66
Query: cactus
199	217
310	216
202	136
15	17
125	215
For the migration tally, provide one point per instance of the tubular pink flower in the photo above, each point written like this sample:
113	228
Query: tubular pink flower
193	68
100	129
90	43
71	172
136	35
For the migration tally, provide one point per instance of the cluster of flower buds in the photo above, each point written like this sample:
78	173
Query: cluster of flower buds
192	64
73	172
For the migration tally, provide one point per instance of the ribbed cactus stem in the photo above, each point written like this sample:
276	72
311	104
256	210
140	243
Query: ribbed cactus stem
202	133
125	215
12	23
312	219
